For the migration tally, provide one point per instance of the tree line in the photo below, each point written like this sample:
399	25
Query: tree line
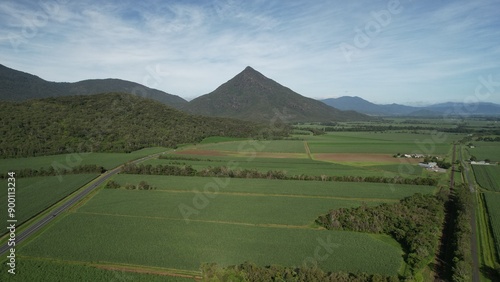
415	222
462	205
250	272
52	171
223	171
143	185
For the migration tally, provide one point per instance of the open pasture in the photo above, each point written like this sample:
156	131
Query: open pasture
107	160
488	176
35	194
175	244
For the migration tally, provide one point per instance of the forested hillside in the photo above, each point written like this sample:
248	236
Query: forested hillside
104	123
20	86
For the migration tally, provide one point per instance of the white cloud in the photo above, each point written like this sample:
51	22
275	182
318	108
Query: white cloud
429	48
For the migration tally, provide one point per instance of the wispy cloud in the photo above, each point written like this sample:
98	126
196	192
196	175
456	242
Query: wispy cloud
428	50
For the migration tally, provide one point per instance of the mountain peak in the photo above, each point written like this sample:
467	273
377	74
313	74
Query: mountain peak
252	96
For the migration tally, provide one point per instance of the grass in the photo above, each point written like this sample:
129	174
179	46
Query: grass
486	150
36	194
355	190
241	208
488	176
493	208
486	242
295	166
276	146
382	143
217	139
174	244
107	160
29	269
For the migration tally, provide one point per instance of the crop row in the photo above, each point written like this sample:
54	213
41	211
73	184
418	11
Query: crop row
488	176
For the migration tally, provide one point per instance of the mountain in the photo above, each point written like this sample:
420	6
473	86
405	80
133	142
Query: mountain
462	109
19	86
360	105
111	122
252	96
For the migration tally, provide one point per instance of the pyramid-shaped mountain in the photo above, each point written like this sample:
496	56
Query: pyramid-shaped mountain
252	96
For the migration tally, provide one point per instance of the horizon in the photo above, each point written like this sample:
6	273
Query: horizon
319	50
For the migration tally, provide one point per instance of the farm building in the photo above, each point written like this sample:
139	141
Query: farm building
428	165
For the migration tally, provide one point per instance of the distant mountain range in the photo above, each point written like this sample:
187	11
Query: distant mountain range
252	96
19	86
452	109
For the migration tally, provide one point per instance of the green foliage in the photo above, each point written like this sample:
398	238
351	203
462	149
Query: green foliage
462	205
35	194
250	272
415	222
106	123
368	192
493	206
56	171
29	269
488	176
170	243
223	171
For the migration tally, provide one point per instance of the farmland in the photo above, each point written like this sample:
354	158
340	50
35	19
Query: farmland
46	270
486	150
107	160
170	243
488	176
35	194
493	207
185	221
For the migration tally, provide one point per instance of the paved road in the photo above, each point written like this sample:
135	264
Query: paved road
473	245
48	218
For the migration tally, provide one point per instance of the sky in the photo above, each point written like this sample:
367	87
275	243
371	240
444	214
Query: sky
394	51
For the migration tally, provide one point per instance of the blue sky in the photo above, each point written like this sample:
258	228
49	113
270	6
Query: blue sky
410	52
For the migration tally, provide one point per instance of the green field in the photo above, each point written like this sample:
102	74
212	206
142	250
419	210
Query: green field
294	166
107	160
493	206
29	269
382	143
187	221
486	150
488	176
35	194
347	190
276	146
174	244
